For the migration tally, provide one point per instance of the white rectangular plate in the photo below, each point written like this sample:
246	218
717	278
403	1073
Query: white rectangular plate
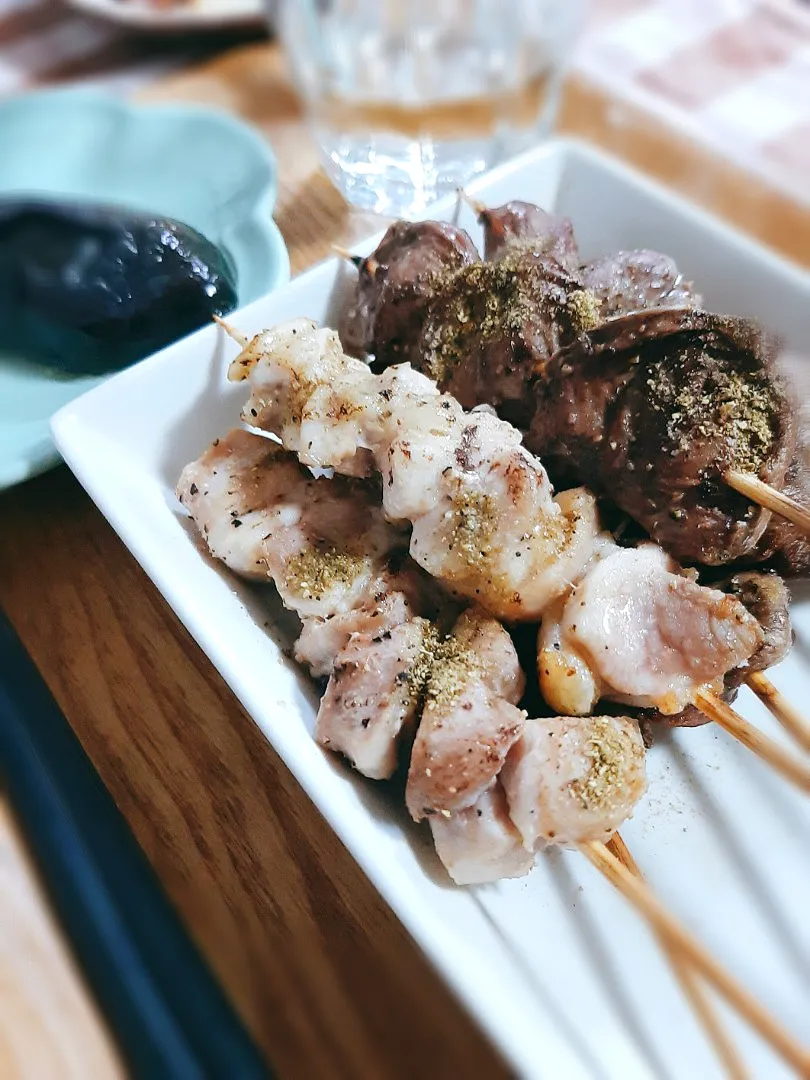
555	967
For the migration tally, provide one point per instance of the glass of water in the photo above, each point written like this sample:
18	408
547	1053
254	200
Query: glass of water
410	99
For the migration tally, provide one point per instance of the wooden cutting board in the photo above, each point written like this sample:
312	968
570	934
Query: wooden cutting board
49	1028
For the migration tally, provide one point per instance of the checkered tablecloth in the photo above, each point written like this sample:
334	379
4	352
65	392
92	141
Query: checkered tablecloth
735	73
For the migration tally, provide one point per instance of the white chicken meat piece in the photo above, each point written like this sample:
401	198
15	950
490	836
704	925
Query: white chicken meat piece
370	708
294	395
469	717
321	640
636	631
481	844
566	681
572	779
484	518
324	542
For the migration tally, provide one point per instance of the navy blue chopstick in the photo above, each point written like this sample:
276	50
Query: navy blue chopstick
169	1017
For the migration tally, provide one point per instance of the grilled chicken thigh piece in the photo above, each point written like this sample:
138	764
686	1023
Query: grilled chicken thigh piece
485	522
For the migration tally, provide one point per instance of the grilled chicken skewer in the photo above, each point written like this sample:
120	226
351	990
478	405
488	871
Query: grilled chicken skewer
497	369
492	783
484	519
337	564
557	780
636	631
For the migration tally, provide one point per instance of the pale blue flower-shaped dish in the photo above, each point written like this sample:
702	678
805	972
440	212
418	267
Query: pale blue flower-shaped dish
189	163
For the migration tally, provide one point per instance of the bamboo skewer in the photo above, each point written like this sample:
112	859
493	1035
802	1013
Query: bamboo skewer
679	938
690	984
764	495
776	702
477	207
349	256
757	741
232	332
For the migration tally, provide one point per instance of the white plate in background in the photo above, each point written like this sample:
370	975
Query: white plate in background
555	967
193	15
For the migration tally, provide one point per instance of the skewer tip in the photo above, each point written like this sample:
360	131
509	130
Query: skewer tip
232	332
349	256
478	208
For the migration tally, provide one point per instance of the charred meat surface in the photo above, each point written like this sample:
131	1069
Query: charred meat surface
395	284
490	324
653	408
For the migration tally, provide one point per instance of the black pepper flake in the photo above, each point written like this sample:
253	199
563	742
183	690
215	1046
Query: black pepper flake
193	489
236	523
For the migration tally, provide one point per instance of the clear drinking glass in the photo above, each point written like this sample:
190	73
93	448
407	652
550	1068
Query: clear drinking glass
410	99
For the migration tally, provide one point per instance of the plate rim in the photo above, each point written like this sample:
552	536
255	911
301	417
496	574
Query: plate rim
136	15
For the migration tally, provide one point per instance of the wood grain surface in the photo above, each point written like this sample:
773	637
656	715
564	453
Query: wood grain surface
49	1027
324	976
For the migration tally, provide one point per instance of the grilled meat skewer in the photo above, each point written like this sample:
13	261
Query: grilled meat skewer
622	282
525	225
485	521
455	693
489	326
653	409
395	283
453	475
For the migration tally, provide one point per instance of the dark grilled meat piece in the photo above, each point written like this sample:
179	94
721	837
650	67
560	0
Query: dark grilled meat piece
395	284
633	280
767	598
491	323
623	282
527	225
651	409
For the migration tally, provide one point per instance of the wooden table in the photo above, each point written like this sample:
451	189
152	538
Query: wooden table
324	976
